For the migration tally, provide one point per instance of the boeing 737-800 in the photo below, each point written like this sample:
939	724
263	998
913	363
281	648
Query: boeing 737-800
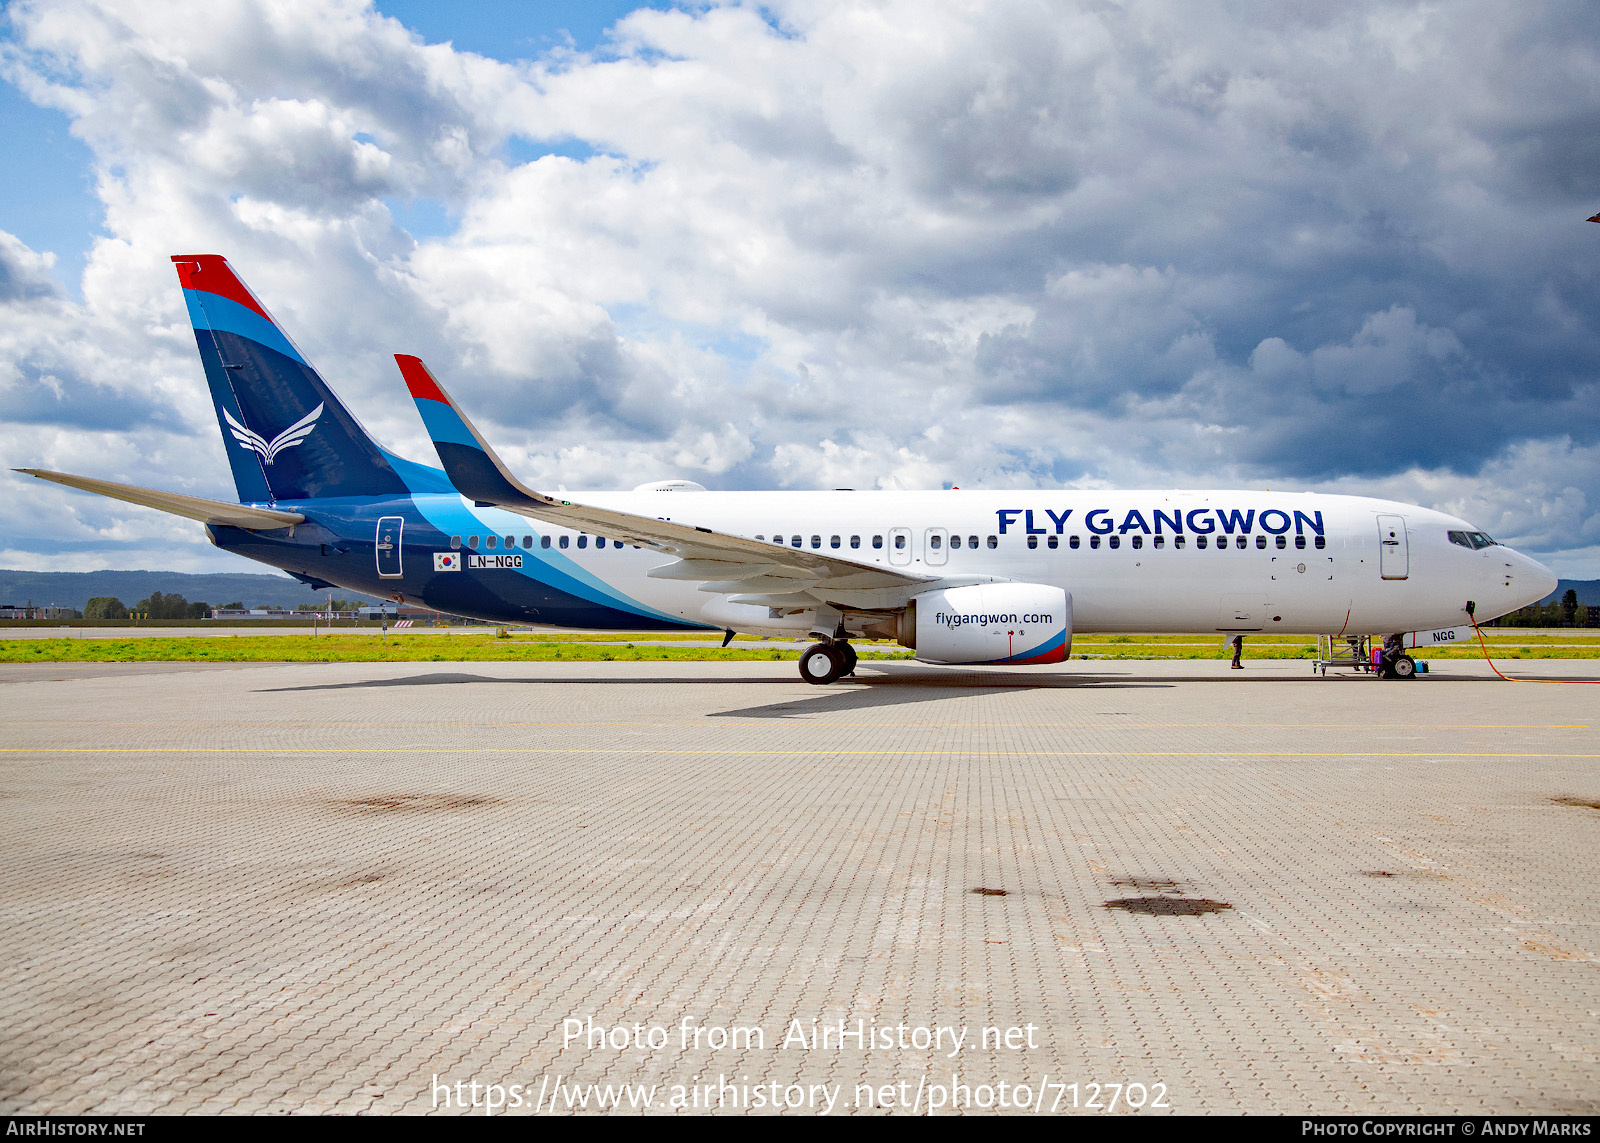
975	577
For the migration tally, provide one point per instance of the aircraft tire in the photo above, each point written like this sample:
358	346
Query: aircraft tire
820	665
847	654
1403	667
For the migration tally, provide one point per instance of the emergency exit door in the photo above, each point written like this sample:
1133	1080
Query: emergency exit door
1394	556
388	546
899	545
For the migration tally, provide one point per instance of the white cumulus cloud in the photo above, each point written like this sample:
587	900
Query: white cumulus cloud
847	244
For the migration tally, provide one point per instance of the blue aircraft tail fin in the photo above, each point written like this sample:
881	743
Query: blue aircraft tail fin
288	436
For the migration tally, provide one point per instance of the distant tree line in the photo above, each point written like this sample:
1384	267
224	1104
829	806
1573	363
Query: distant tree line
154	606
173	606
1564	612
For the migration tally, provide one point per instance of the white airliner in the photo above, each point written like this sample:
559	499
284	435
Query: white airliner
972	577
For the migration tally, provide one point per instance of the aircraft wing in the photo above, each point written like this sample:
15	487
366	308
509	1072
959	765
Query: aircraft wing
718	561
193	507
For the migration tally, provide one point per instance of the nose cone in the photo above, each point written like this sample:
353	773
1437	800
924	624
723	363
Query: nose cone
1538	577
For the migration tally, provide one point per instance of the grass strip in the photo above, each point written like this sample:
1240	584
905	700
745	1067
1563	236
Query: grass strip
365	648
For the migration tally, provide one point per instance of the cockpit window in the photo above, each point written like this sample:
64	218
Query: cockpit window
1473	540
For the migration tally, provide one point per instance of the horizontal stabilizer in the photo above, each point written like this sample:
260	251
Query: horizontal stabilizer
192	507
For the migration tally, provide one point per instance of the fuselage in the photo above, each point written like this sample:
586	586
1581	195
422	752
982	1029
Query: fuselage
1181	561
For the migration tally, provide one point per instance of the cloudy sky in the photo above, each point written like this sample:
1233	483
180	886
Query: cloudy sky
1014	243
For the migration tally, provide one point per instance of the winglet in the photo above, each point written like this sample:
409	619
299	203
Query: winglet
469	462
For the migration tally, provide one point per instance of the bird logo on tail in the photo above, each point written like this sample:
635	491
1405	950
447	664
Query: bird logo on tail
290	437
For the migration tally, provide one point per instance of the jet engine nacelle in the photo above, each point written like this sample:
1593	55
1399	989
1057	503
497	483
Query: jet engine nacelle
990	623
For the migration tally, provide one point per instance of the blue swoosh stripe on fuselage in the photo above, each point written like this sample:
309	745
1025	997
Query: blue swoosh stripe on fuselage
496	598
451	517
213	311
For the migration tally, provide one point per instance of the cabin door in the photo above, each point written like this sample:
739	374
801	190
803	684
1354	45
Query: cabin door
1394	556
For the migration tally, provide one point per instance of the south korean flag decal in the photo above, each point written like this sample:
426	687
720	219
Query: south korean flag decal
446	561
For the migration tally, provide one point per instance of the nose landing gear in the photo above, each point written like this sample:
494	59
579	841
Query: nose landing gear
823	663
1395	663
1403	667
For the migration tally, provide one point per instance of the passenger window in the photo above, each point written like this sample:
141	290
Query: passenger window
455	542
1054	541
935	542
759	536
1241	542
855	541
777	539
1094	541
972	541
1072	541
833	541
527	541
816	541
544	541
1138	541
1320	542
1178	541
599	541
994	541
492	541
877	541
1261	541
955	541
1199	541
1115	541
583	541
1033	541
565	540
1159	542
797	542
1299	541
472	542
1283	541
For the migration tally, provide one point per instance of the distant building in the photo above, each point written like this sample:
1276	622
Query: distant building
373	613
29	611
274	613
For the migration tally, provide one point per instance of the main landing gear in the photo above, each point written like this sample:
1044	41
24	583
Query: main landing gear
823	663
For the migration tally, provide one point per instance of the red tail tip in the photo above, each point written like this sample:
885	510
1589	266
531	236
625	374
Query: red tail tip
418	380
211	274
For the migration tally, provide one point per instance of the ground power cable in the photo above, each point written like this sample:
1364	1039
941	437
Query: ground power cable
1482	643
